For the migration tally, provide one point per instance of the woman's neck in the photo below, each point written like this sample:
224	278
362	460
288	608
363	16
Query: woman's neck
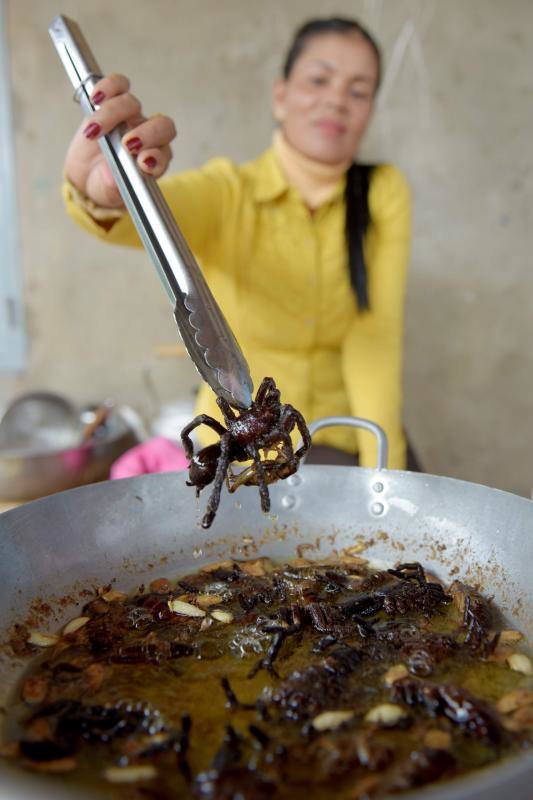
314	180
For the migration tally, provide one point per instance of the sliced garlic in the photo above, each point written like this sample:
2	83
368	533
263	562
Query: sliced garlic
227	564
9	750
517	698
438	740
353	561
395	673
520	720
34	690
520	663
58	766
43	639
222	616
114	594
94	676
329	720
510	637
386	714
132	774
355	549
300	563
258	567
185	598
75	624
206	600
160	586
186	609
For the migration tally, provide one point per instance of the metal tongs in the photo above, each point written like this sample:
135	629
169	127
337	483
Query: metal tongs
203	328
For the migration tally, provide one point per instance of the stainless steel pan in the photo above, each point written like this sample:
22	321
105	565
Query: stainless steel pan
136	529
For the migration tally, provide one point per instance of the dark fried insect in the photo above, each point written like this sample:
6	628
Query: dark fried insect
68	721
305	692
425	649
322	760
324	643
262	738
175	739
234	782
477	615
288	621
285	623
422	766
412	571
232	701
268	661
150	652
329	644
255	591
470	714
266	426
228	778
406	590
420	648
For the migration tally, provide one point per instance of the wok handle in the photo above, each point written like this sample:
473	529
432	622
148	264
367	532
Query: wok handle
357	422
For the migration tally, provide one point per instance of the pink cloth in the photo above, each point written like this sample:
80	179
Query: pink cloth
154	455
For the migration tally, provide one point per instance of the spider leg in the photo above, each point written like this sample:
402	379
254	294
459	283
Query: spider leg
260	474
292	417
201	419
277	437
227	411
222	468
267	385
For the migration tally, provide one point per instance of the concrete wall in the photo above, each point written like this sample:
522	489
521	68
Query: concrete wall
456	113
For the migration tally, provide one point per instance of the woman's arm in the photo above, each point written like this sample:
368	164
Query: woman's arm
373	348
198	200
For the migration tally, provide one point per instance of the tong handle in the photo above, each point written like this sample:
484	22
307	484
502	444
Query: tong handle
203	328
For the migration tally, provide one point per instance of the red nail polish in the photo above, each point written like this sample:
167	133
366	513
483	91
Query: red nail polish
98	97
150	162
92	130
134	145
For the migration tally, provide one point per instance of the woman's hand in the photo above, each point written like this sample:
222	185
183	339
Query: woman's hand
147	139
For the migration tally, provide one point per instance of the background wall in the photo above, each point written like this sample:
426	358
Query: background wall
455	113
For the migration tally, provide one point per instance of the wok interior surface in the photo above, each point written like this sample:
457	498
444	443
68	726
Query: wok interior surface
134	530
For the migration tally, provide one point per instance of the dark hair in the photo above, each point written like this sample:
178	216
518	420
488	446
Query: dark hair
317	27
358	175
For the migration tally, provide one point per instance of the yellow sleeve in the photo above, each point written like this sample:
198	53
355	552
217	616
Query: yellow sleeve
198	200
373	348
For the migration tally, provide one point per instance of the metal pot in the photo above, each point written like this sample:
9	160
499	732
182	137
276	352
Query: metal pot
140	528
41	467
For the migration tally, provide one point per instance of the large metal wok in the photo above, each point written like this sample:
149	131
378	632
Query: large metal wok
136	529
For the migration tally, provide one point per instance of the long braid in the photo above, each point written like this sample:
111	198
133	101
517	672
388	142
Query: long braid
357	222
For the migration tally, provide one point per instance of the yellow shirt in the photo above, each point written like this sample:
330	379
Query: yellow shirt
280	275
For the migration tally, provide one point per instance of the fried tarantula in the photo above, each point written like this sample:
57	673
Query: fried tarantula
266	426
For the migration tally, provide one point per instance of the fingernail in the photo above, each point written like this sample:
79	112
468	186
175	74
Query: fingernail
98	97
150	162
134	144
92	130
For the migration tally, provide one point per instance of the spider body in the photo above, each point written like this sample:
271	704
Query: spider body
266	426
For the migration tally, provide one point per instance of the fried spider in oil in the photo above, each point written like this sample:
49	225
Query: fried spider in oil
265	426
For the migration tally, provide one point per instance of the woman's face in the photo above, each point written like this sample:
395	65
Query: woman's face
325	104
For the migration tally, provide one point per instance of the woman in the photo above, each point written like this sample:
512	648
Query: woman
305	251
